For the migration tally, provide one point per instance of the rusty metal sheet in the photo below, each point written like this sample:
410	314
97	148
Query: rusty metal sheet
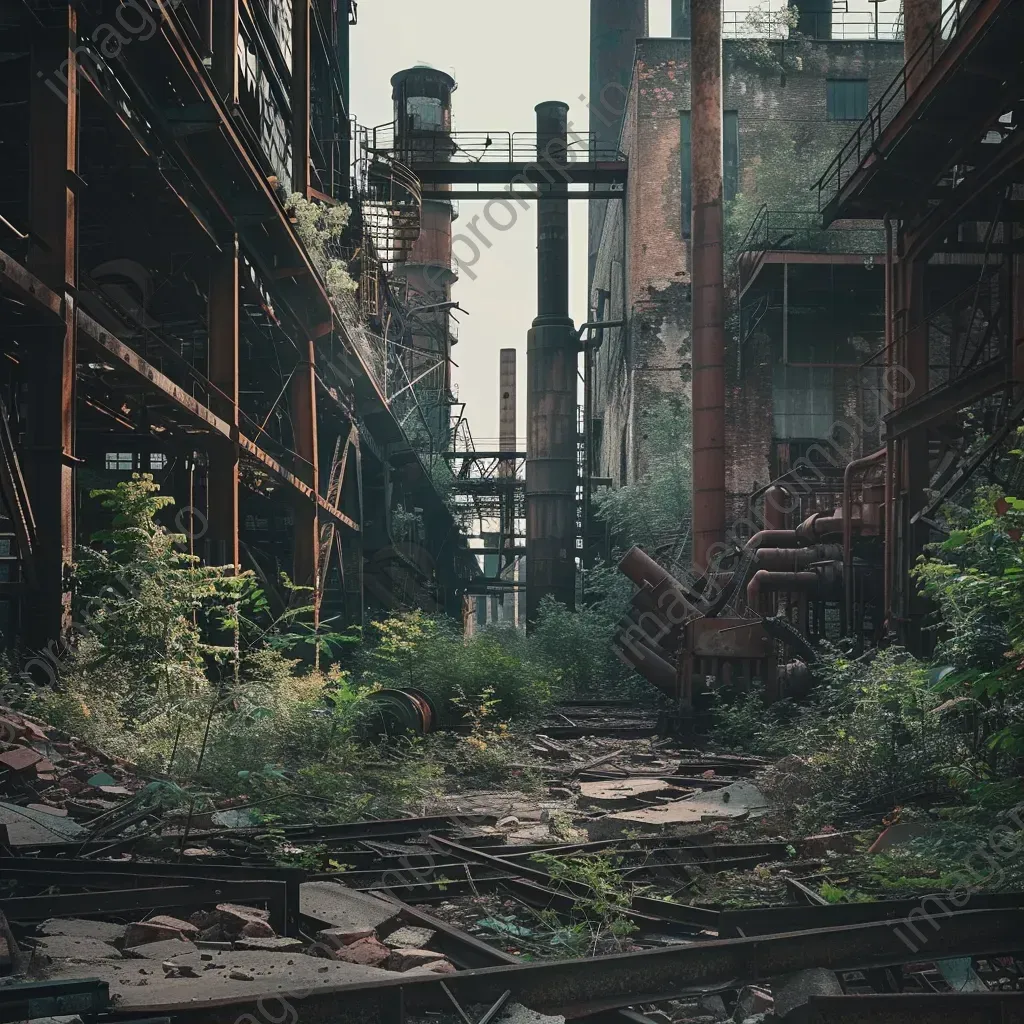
729	638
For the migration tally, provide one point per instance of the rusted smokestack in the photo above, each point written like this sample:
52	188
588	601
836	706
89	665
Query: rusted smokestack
507	467
708	283
551	366
615	26
920	18
507	408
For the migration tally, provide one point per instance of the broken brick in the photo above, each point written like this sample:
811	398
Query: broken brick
158	929
234	918
367	952
441	967
407	959
257	930
20	758
338	937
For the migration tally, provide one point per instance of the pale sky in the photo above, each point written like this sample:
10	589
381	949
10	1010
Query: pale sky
506	59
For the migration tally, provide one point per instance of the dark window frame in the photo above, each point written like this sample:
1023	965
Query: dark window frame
846	99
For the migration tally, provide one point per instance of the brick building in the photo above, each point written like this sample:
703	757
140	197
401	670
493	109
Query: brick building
810	312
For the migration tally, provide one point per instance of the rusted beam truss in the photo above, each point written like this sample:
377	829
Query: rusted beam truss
201	417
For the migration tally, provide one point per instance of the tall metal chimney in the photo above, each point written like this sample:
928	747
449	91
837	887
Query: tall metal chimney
507	468
423	132
615	26
708	282
551	367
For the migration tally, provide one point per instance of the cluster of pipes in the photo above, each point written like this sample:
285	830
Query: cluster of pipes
814	561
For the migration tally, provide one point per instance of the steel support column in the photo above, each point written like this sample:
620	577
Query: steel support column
920	17
224	69
50	362
551	366
911	449
304	429
300	96
708	283
222	479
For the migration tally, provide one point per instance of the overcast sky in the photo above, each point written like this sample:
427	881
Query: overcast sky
506	58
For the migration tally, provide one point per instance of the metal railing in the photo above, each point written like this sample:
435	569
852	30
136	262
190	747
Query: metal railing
802	231
863	140
484	147
773	19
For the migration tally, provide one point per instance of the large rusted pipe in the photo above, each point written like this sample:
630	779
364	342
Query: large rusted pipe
766	582
818	525
774	510
551	365
707	276
796	559
655	669
665	590
852	469
921	18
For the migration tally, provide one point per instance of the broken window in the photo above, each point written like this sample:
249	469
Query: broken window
120	462
847	99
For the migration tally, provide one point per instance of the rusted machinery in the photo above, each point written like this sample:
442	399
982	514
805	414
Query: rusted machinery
756	618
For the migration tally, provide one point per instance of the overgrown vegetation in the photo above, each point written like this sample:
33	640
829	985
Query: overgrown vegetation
321	229
654	511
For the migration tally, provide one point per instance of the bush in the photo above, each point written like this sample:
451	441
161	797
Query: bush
431	654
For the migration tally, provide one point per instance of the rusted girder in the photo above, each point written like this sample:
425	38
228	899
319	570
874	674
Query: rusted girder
202	416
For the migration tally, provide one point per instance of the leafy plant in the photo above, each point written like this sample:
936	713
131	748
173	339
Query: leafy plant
321	228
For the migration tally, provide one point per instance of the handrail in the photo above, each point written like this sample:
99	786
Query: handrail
862	141
483	146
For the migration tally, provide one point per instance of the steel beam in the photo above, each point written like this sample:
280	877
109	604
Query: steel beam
930	1008
304	433
30	1000
119	901
941	402
223	474
203	417
300	96
50	362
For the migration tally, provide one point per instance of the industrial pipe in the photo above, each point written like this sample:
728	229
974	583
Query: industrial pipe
707	282
852	468
766	582
655	669
644	571
774	513
551	367
818	525
796	559
763	538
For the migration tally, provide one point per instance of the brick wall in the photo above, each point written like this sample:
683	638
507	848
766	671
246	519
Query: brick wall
785	141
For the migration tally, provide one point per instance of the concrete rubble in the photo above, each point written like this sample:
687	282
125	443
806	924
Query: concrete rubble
686	809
